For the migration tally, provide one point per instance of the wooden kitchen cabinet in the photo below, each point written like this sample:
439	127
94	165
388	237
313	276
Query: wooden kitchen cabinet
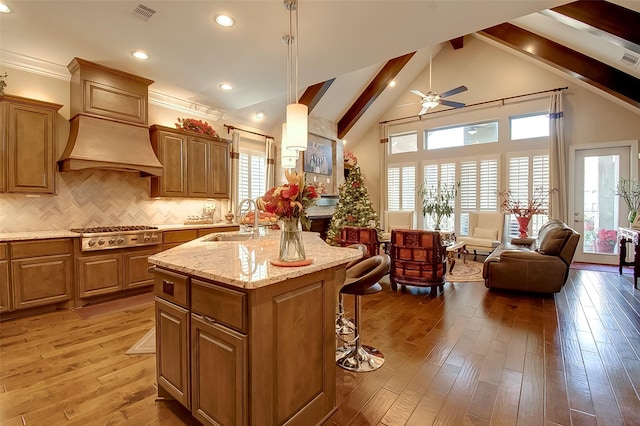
195	166
219	391
41	272
5	295
136	269
27	161
99	275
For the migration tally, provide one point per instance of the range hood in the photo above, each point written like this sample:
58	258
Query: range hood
108	121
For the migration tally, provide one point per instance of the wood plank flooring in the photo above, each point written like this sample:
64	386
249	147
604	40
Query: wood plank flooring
468	356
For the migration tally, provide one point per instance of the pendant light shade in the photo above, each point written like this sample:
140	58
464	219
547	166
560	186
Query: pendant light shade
297	132
287	155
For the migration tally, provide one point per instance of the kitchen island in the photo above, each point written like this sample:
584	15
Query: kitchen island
240	341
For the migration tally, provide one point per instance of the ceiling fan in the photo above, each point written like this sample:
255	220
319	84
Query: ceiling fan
433	99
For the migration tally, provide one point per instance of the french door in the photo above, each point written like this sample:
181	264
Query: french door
597	210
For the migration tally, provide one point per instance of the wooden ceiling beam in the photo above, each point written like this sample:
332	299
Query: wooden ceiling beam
457	43
371	93
314	93
608	17
605	77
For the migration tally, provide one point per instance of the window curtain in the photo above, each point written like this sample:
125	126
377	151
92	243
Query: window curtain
557	164
384	165
235	169
270	166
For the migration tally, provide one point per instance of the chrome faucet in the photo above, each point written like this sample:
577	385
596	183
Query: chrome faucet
256	216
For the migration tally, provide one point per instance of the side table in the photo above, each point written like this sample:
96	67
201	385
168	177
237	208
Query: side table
456	248
628	235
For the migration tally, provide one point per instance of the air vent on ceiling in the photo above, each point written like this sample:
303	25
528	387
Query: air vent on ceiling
630	59
143	12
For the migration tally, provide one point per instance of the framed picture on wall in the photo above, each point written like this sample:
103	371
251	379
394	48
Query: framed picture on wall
318	158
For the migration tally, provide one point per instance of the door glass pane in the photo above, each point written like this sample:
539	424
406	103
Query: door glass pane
601	174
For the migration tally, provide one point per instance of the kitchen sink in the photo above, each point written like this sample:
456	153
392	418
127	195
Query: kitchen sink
228	236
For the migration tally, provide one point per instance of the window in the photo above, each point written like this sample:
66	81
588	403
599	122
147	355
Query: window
401	188
529	126
526	174
450	137
404	142
251	174
436	176
478	189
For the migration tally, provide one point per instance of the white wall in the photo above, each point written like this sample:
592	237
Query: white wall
492	73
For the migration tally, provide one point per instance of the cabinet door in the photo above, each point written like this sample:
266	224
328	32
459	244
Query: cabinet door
4	286
4	111
136	267
220	169
218	374
99	275
172	351
30	149
171	150
198	167
41	280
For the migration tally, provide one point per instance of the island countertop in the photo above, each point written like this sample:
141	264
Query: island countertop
247	264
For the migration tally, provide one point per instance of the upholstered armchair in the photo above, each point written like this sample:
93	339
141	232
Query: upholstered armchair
396	220
485	231
417	259
360	235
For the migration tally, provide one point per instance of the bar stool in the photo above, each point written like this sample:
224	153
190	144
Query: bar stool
362	279
345	326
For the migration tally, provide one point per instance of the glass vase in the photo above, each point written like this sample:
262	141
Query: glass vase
632	217
291	246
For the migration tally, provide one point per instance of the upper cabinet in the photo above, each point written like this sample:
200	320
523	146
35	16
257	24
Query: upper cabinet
27	154
195	166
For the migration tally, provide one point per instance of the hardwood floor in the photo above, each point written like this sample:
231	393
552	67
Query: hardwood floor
466	356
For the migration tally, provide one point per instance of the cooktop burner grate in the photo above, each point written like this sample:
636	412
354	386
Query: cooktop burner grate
102	229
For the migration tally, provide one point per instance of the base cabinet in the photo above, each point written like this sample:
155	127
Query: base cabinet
219	373
172	351
5	295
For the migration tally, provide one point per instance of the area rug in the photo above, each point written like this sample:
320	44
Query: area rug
465	272
146	345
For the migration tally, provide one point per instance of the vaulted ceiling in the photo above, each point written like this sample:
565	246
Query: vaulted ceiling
349	50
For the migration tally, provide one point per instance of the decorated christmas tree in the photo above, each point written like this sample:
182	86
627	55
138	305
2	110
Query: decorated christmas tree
354	208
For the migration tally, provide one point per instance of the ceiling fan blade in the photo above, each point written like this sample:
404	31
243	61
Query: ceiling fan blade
410	103
423	110
451	103
419	93
455	91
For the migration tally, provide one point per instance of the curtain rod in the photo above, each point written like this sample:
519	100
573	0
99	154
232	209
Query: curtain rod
230	128
419	117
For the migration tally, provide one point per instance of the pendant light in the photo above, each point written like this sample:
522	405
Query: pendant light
295	130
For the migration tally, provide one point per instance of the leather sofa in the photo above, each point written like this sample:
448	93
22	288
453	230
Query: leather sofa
533	265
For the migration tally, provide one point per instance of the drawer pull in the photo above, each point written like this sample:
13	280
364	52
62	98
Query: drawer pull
167	287
209	319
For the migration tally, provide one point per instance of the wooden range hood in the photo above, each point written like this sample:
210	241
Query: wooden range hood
109	127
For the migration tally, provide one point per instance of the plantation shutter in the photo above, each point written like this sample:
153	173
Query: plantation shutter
243	176
401	188
489	185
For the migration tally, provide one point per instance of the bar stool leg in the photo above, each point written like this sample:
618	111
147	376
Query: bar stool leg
360	358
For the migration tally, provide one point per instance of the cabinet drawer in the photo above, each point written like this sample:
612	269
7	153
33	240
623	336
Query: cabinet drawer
171	286
39	248
3	251
182	236
223	305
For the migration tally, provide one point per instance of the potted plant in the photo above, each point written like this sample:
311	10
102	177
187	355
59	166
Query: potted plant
606	240
524	211
438	203
629	191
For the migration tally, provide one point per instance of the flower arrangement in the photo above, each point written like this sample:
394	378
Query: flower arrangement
534	205
437	204
198	126
629	191
3	84
292	199
350	158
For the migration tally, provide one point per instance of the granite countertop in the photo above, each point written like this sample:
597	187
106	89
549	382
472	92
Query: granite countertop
246	264
47	234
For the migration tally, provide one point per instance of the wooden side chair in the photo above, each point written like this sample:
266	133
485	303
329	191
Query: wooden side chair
361	235
417	259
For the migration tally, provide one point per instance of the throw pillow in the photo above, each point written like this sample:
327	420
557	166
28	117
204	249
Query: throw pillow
553	241
487	234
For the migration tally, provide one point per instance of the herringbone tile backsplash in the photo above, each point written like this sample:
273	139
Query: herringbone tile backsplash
96	198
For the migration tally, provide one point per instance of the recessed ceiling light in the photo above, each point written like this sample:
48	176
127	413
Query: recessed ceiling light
392	83
4	8
139	54
259	115
225	20
226	86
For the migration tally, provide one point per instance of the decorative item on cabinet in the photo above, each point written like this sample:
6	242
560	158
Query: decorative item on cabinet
195	165
27	164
